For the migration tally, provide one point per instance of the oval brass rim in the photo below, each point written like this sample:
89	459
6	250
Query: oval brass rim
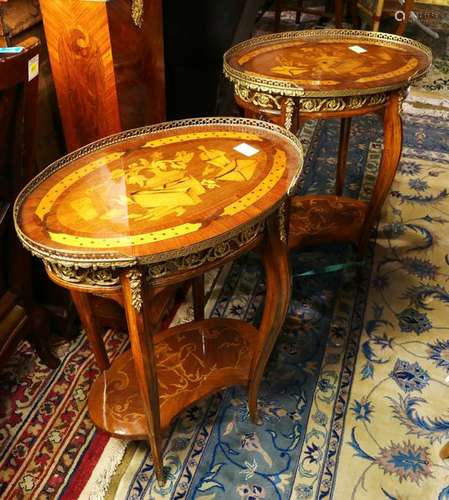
285	88
115	259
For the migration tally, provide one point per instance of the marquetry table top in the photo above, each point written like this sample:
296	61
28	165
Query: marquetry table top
327	62
157	192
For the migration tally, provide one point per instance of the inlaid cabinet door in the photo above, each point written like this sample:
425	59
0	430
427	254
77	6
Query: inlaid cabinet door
107	61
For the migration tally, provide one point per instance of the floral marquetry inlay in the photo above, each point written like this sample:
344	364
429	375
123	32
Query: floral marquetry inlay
192	360
188	360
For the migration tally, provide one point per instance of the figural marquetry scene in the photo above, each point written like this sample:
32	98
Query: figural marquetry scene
223	261
140	195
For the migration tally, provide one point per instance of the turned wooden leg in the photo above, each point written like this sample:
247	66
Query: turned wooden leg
391	155
345	130
377	15
277	299
140	336
198	297
94	334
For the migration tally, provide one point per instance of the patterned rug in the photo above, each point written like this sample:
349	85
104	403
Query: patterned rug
354	402
396	417
430	95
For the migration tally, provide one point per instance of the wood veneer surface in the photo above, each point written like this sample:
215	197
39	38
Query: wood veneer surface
158	192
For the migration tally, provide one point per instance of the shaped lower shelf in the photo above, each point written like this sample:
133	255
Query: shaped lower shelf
319	219
194	360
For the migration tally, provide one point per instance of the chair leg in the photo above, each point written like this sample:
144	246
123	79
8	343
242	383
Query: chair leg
378	14
355	19
40	337
277	15
338	13
298	11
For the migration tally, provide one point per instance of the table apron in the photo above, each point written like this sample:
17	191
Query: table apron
57	273
312	108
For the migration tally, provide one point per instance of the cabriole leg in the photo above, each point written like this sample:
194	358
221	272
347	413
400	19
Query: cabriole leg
391	155
277	299
142	348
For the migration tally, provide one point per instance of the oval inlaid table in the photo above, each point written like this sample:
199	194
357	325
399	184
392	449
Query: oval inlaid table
141	210
289	78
